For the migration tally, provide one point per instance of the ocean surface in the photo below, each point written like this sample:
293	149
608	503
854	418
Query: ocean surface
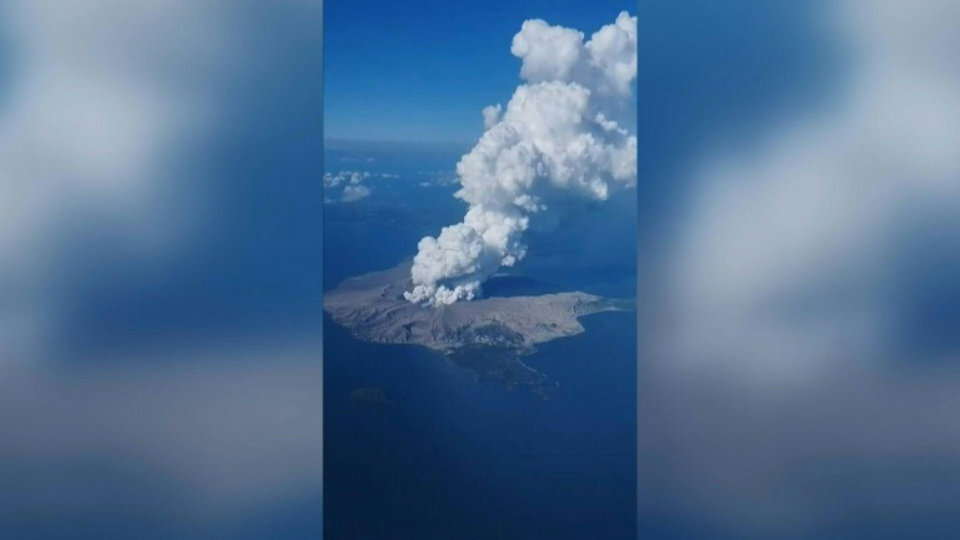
416	446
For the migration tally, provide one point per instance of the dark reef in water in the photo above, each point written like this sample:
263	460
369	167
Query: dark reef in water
371	395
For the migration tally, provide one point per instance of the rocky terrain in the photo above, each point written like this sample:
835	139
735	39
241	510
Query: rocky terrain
372	307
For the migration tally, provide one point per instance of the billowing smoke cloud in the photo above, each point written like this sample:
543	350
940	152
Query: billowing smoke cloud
567	134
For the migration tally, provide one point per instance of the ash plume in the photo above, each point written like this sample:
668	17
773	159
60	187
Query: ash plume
567	134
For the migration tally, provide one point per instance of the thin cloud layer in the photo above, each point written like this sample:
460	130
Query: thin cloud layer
332	180
567	134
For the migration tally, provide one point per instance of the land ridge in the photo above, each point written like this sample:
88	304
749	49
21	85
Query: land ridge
372	308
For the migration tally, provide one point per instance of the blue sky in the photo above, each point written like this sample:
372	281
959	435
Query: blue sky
423	70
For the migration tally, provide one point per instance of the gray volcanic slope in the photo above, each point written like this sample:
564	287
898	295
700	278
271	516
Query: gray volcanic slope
372	307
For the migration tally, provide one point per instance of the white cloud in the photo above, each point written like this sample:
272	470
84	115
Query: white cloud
565	135
353	193
439	178
336	179
353	183
332	180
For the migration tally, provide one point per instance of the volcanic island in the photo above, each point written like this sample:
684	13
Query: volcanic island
488	335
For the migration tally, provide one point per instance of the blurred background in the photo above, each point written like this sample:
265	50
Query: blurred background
160	319
160	208
799	253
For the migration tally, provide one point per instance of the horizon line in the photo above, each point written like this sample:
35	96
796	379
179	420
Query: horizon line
399	142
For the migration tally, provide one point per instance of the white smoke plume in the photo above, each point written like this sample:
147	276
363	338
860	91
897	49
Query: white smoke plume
568	132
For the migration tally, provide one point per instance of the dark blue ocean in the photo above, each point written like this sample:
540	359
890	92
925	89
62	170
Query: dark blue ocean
452	455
